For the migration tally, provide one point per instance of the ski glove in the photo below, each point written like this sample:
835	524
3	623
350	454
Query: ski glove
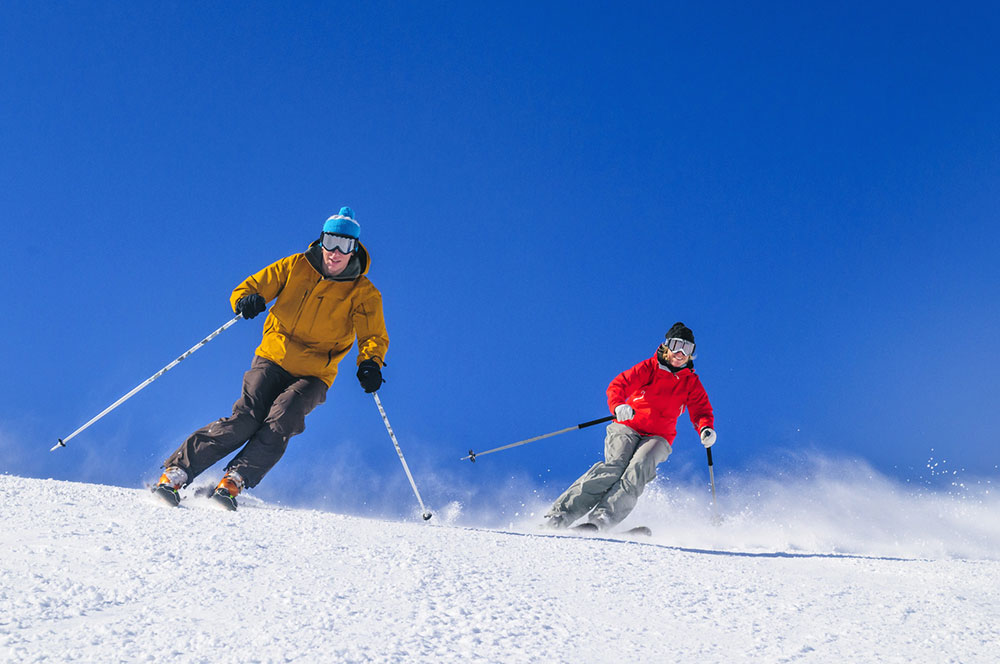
623	412
249	306
708	437
370	376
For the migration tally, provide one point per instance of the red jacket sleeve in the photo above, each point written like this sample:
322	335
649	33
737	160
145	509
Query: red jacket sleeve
627	382
699	407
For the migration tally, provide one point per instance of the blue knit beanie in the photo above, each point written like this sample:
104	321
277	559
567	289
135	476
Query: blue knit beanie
343	224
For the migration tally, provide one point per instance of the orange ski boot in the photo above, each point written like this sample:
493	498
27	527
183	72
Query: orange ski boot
227	489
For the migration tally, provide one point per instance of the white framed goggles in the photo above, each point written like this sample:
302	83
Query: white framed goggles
346	245
682	346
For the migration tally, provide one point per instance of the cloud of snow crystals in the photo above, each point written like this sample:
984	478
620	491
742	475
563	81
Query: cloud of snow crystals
808	504
802	503
824	505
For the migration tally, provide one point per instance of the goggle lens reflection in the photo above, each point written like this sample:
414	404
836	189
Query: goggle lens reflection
346	245
682	346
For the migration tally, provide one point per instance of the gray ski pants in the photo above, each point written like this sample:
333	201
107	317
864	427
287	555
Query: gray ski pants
273	408
610	489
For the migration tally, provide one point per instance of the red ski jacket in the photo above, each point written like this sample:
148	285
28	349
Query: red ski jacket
658	397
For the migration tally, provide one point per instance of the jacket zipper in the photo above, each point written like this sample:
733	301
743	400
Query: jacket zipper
302	304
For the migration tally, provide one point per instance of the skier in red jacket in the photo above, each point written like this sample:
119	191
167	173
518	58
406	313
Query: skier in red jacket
646	400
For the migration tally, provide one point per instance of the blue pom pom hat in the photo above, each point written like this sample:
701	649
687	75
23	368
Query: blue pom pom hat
344	224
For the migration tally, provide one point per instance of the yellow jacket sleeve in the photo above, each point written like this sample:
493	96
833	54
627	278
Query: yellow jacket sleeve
267	283
369	325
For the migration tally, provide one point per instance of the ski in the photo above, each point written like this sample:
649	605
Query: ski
166	495
585	528
220	499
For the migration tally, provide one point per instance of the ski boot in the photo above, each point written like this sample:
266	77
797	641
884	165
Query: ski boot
227	489
166	489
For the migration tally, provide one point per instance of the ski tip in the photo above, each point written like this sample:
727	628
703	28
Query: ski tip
226	503
166	496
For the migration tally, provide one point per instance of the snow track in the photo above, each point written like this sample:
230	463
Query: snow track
102	574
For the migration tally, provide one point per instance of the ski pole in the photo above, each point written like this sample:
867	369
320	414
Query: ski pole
424	512
472	455
62	441
711	478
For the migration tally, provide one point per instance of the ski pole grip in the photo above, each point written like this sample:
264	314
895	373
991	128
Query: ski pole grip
709	450
593	422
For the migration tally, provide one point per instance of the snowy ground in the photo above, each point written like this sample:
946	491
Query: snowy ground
101	574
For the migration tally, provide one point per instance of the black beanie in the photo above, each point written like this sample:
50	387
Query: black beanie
680	331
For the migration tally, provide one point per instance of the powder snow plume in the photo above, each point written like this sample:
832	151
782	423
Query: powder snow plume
821	505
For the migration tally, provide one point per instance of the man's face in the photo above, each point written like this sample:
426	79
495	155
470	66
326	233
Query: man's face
335	262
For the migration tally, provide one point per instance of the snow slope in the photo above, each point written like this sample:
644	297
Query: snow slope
102	574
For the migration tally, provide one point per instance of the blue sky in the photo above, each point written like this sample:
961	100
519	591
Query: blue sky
545	188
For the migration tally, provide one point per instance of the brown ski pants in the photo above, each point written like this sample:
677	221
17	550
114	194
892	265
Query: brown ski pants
273	408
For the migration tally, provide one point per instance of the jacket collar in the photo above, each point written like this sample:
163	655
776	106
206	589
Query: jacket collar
687	368
666	366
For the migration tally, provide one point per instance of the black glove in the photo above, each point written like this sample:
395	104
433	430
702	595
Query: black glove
250	305
370	376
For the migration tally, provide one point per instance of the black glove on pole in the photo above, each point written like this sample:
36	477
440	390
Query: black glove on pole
370	376
250	305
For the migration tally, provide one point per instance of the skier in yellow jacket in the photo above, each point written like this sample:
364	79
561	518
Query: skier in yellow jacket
322	301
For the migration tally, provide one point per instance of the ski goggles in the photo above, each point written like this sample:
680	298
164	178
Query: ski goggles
346	245
682	346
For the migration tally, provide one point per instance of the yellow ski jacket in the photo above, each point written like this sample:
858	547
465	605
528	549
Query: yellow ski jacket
314	319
